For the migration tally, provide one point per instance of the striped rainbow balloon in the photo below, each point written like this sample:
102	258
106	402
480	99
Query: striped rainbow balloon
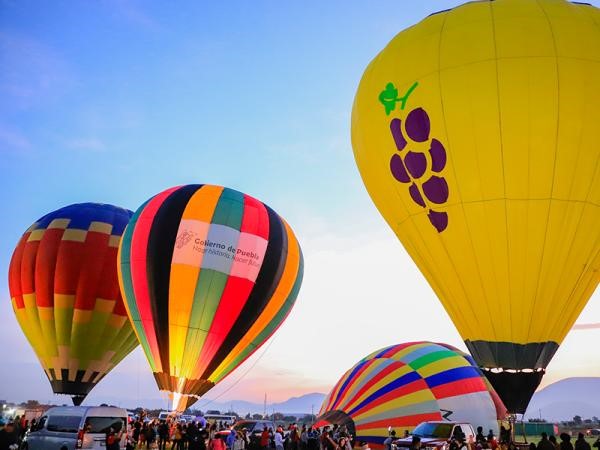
65	295
406	384
208	274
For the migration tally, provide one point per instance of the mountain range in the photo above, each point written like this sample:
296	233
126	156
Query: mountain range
567	398
556	402
305	404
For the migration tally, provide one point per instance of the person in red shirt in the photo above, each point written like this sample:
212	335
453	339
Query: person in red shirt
264	439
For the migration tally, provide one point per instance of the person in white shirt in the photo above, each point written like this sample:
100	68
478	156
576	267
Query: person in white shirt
279	439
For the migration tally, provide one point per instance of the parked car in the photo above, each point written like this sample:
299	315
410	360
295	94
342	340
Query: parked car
436	435
76	427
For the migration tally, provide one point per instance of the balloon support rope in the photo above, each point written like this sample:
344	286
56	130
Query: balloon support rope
241	377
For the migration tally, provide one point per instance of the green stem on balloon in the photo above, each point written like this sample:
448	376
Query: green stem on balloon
403	99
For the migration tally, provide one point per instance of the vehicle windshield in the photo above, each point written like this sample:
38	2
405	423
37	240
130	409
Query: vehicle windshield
433	430
103	424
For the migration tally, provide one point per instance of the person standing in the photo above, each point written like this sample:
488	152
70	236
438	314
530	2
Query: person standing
304	438
163	435
193	437
545	444
8	437
565	442
279	439
388	442
231	437
240	442
113	439
479	437
203	434
264	439
176	438
294	438
313	439
581	443
150	435
215	442
416	443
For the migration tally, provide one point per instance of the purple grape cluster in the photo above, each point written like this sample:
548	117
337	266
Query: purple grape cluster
408	166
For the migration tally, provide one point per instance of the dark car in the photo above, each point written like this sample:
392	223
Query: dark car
253	428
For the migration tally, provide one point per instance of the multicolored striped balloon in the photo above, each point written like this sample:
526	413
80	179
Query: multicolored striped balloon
208	274
406	384
65	294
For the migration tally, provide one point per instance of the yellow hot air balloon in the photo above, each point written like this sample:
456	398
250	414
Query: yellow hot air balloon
477	135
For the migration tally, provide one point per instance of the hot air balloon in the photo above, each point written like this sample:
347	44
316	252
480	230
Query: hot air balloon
65	293
476	134
403	385
208	274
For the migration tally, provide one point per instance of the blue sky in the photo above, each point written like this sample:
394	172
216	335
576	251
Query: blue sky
114	101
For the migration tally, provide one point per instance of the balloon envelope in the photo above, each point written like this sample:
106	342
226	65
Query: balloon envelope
208	274
65	294
476	134
403	385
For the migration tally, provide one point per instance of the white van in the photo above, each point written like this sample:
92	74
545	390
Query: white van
76	427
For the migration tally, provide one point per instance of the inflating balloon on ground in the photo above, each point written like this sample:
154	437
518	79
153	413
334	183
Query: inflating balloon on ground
403	385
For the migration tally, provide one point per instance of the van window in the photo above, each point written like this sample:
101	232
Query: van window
103	424
65	424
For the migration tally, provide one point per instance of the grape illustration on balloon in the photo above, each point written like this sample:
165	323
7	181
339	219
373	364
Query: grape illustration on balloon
409	165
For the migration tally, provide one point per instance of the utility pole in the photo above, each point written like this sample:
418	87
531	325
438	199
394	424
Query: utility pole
265	406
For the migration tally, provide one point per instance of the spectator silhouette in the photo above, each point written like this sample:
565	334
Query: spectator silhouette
581	443
545	444
479	437
565	442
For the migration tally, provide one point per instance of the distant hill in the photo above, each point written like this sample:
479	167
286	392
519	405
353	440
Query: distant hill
567	398
293	406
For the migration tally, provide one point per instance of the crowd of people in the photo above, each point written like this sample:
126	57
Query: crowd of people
167	435
172	434
481	441
550	443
